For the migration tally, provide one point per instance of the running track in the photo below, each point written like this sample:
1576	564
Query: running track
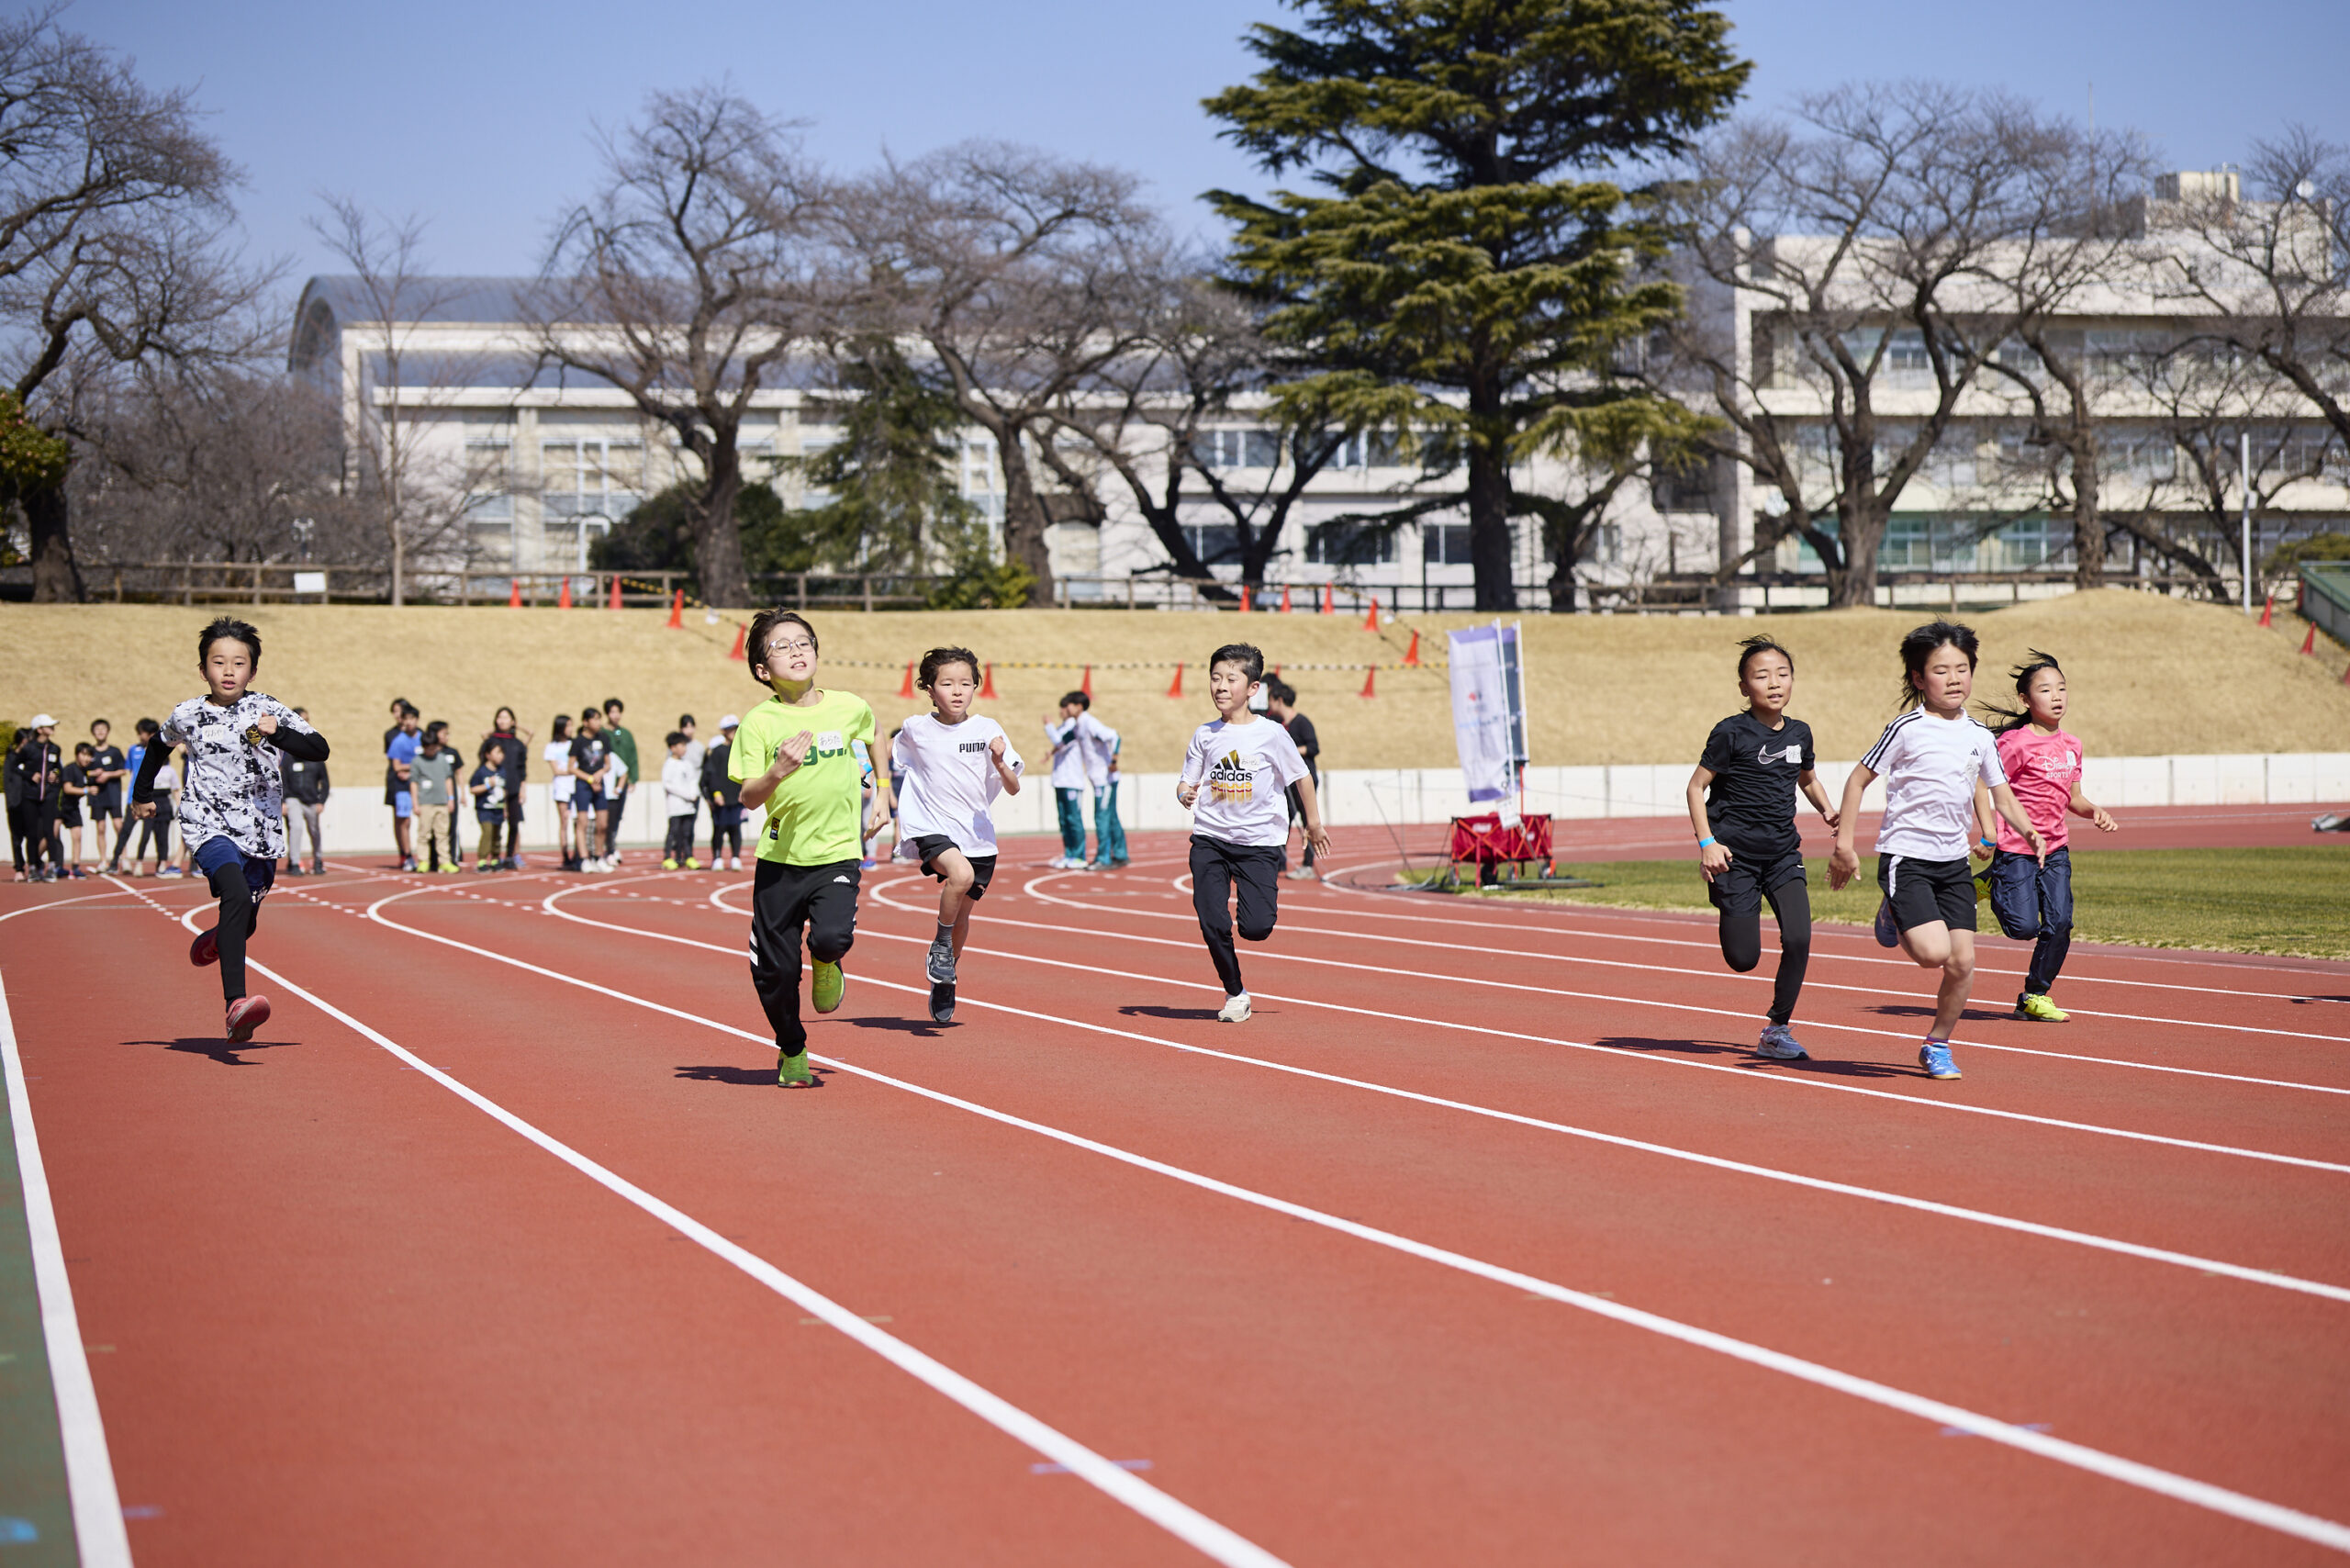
1486	1242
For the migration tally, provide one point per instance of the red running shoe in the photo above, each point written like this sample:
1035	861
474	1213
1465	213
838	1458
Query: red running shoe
246	1014
205	949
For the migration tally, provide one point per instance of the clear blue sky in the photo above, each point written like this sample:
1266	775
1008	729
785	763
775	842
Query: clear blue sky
476	116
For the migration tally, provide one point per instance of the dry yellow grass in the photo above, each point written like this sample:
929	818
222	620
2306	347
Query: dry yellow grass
2148	675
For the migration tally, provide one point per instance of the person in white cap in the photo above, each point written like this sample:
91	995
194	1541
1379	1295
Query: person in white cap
725	797
35	774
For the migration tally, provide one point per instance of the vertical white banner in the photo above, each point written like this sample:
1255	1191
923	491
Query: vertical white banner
1483	690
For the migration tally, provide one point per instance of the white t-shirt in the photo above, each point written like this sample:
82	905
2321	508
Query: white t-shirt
1101	746
558	756
1243	771
950	780
1929	765
695	752
1072	741
681	782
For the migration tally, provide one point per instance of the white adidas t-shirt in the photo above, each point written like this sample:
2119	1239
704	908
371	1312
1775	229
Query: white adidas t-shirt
1242	771
950	780
1929	765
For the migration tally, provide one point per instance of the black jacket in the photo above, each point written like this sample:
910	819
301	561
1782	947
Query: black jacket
35	771
304	781
716	787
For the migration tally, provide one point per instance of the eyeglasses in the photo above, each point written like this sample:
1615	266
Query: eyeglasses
797	645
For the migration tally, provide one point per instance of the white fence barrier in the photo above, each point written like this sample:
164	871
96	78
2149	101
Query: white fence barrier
357	821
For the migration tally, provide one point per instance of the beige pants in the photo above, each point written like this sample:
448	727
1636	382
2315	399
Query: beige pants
435	825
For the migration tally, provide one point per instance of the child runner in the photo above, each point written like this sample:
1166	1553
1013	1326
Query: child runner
793	757
1930	758
489	789
1236	774
231	807
954	762
681	784
1742	807
2033	900
726	799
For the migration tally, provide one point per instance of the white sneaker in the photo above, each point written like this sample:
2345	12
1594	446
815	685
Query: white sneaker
1235	1008
734	863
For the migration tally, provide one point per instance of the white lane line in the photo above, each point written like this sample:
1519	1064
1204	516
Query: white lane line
1187	1524
1031	889
2129	1472
1530	921
1745	1074
1277	956
98	1529
1923	1205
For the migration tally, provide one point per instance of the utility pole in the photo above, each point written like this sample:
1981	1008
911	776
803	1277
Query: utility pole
2244	471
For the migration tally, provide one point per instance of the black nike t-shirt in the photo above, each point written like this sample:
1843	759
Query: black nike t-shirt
1751	806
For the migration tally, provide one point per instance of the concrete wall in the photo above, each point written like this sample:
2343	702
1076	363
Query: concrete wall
357	821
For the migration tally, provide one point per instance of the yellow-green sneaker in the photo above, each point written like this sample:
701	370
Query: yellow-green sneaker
1983	887
792	1072
831	985
2039	1009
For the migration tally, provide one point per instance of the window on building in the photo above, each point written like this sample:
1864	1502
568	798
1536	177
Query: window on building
1444	543
1349	544
590	477
1687	486
1216	543
1239	447
1905	363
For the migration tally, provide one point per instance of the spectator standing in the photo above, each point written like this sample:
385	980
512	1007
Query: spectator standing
591	757
1102	772
561	787
145	730
616	786
433	776
725	796
36	775
16	808
305	785
488	789
1280	703
1071	736
105	803
515	745
400	746
695	753
682	784
72	796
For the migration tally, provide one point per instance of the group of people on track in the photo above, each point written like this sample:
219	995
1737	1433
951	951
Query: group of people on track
812	766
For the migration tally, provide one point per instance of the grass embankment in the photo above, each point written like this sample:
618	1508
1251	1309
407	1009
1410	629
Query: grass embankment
2149	676
2284	901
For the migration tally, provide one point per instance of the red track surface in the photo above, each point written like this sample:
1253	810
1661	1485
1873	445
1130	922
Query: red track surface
355	1320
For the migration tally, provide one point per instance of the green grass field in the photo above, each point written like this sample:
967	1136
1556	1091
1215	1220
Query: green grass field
2290	901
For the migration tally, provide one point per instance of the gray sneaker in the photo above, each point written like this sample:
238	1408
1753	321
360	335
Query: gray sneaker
1779	1043
1887	934
941	965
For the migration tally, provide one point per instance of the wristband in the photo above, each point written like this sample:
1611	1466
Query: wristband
1987	844
1704	843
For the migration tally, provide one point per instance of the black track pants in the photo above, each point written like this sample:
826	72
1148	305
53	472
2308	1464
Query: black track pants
1218	868
785	900
1742	943
240	912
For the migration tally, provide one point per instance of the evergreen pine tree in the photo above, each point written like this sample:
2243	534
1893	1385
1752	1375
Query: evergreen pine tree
1467	269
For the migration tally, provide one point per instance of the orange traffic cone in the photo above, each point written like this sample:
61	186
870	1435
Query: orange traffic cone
1177	689
987	685
677	610
736	651
564	602
514	595
1371	681
1086	685
908	688
1370	622
1412	654
615	602
2268	609
1330	605
2308	644
1244	599
1285	599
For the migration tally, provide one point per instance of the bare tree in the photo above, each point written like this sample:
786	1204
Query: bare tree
2272	271
1020	273
1860	248
113	212
688	280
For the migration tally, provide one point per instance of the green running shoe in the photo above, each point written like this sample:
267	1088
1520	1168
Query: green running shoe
2039	1009
792	1072
830	987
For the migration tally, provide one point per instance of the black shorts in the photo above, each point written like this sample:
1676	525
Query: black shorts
1740	888
1923	892
69	815
931	846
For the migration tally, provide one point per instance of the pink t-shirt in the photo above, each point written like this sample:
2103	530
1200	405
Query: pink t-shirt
2041	769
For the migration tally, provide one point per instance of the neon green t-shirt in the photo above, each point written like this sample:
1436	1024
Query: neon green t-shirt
816	815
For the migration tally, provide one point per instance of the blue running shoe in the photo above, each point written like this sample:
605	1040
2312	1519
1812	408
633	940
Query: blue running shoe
1934	1056
1779	1043
1887	934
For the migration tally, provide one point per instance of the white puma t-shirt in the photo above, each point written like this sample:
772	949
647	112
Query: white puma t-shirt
1243	772
949	780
